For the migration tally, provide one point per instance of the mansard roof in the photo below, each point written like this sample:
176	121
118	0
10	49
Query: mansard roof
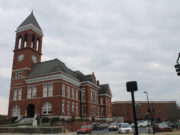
49	67
54	66
30	23
83	77
104	89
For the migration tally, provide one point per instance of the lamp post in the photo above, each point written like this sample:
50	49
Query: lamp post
148	109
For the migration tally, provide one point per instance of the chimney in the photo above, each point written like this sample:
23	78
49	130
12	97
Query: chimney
98	82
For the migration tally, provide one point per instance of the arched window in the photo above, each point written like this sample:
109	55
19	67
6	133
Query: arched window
19	44
25	40
32	42
38	42
16	111
47	108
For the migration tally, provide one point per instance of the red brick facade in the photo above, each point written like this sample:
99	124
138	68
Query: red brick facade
53	93
123	109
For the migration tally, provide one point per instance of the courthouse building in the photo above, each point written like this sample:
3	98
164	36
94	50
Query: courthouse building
50	88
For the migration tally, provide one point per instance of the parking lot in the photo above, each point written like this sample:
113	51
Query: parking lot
106	131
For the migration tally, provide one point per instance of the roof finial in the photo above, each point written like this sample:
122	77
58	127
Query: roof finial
32	12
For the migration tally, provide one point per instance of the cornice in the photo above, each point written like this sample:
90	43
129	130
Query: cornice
29	26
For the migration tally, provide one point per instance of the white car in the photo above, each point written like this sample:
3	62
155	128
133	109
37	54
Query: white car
125	128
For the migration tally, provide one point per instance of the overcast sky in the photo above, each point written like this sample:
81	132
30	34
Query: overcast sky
118	40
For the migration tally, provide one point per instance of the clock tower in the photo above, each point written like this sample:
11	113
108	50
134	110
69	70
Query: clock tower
27	53
28	45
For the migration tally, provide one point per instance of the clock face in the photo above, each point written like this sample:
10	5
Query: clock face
34	59
20	57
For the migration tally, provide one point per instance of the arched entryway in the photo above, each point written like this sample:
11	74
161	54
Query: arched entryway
30	110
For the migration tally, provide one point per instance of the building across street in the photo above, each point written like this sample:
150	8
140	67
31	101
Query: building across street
122	110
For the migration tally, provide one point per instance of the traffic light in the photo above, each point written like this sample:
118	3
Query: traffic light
177	67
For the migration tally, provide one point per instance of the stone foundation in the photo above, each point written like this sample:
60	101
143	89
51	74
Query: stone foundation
31	130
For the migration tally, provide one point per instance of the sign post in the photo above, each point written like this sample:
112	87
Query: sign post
131	87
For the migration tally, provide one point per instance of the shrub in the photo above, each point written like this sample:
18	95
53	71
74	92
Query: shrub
45	120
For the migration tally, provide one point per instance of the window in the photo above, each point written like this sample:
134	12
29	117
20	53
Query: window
77	112
31	93
83	110
63	90
19	75
47	108
68	92
98	111
76	94
72	93
48	90
94	98
45	90
72	108
93	111
83	95
63	110
68	108
17	94
101	100
15	111
34	92
102	112
91	95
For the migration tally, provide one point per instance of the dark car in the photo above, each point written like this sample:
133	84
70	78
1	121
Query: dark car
84	129
162	127
96	126
173	124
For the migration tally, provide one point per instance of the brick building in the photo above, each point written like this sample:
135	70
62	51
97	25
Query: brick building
122	110
50	88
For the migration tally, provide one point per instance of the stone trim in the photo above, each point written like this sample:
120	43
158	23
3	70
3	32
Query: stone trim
29	26
53	77
88	82
15	70
105	95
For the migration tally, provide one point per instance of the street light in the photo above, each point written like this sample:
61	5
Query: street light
151	113
148	110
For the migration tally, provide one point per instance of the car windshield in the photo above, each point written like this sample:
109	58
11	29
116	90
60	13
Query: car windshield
125	125
113	124
83	127
163	125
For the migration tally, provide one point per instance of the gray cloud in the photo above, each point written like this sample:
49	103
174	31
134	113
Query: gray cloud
118	40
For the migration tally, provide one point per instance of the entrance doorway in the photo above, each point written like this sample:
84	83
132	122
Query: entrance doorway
30	110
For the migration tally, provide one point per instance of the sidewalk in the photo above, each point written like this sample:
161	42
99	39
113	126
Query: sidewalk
74	133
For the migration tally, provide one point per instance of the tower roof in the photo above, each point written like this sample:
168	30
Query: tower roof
30	23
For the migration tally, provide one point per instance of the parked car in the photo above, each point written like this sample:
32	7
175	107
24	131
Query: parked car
84	129
96	126
162	127
106	125
125	128
113	126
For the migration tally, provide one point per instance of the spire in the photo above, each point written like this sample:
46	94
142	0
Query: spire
30	23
